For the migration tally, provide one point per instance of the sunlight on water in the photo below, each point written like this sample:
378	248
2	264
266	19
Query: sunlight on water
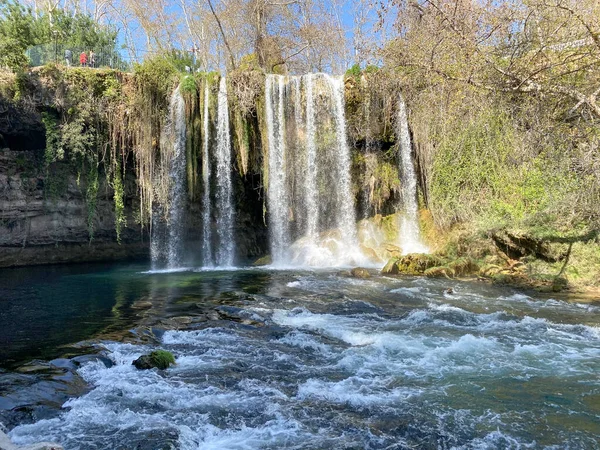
317	360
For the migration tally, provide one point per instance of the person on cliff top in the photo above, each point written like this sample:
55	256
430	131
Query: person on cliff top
92	59
83	59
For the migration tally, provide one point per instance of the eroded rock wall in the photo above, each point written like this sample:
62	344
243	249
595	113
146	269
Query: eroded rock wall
42	227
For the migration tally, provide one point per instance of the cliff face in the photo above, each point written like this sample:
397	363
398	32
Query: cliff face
38	228
57	125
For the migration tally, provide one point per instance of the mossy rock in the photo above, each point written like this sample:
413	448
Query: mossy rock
439	272
264	261
161	359
463	266
510	278
559	284
418	263
490	270
391	267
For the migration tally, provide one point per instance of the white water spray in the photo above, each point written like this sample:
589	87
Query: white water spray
206	206
410	240
225	215
166	240
278	192
310	187
346	217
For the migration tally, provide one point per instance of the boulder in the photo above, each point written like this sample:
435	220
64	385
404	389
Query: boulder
161	359
263	261
418	263
391	267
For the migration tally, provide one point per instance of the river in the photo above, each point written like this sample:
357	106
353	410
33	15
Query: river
292	359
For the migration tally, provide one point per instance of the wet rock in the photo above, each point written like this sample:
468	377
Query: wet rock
439	272
359	272
161	359
264	261
6	444
418	263
80	360
391	268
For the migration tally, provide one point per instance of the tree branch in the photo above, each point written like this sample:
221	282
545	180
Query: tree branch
222	33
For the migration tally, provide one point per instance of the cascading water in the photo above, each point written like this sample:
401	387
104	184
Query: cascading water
225	215
309	193
410	240
310	186
278	193
346	218
167	230
206	205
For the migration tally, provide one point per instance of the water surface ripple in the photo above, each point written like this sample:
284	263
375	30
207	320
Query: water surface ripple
314	360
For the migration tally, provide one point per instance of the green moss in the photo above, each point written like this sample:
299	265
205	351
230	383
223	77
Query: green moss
162	359
119	201
91	197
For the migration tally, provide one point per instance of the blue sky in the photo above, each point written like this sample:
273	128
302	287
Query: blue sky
346	17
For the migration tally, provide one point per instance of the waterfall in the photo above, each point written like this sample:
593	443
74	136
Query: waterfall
310	177
297	101
225	216
167	229
309	196
206	206
410	241
346	218
278	193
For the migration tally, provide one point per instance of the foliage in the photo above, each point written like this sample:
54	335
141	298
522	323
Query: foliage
91	196
354	71
158	74
119	201
21	29
188	84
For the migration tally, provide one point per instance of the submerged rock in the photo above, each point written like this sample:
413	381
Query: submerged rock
359	272
6	444
161	359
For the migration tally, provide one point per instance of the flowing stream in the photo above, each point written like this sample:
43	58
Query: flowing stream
298	359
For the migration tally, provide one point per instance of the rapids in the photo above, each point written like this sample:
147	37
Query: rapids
316	359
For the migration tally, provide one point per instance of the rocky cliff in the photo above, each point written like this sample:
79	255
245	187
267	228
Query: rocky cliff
40	227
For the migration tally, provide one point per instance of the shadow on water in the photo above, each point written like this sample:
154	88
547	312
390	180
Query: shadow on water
43	310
